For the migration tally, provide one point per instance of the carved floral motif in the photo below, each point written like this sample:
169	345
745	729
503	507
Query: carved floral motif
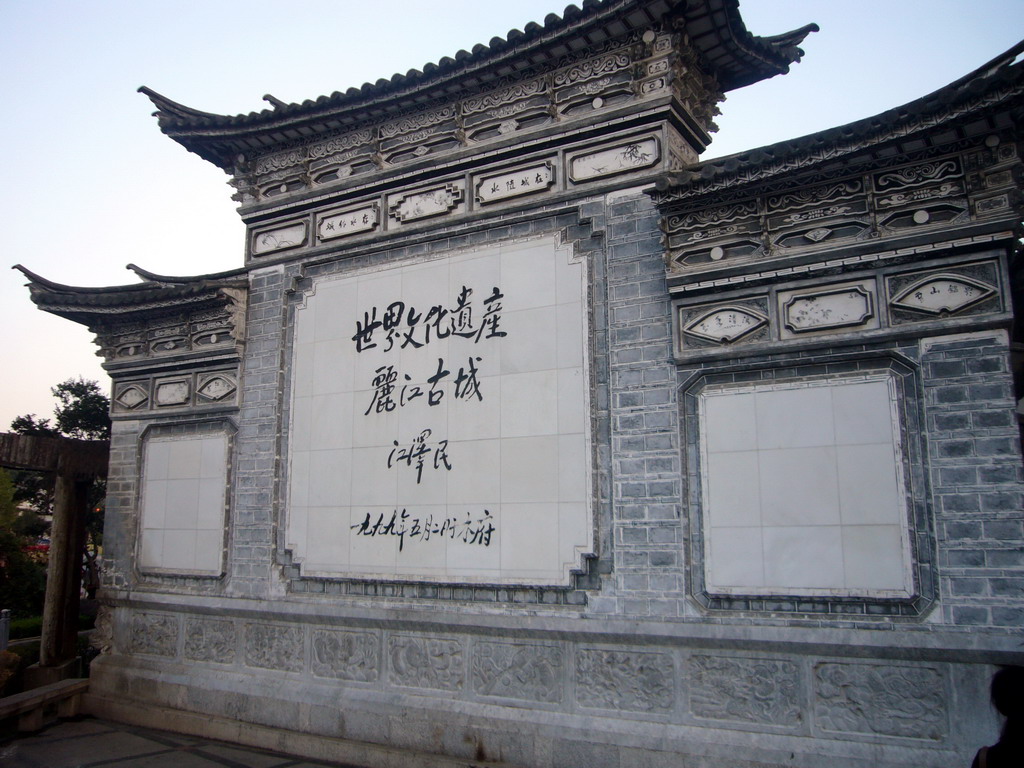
273	647
154	633
346	655
596	67
887	700
638	682
518	671
426	662
210	640
745	690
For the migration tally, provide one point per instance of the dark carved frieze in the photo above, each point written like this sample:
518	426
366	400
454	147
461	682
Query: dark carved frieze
211	640
155	634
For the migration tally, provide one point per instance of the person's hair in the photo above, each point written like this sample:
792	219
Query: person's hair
1007	692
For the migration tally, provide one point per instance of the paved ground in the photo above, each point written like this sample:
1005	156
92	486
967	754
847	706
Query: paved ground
89	743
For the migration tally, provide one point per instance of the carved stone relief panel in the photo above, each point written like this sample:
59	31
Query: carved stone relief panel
956	291
210	640
833	308
437	201
762	691
919	175
215	387
173	391
611	161
279	238
268	646
595	84
876	700
712	235
506	110
419	134
438	663
131	396
719	325
518	671
496	187
155	634
353	221
625	680
344	655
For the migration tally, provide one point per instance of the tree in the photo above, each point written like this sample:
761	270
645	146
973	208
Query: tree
82	413
22	579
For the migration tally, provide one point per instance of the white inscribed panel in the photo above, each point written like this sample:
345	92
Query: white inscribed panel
460	387
811	471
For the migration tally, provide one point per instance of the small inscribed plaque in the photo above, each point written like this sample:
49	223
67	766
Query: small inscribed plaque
353	222
620	159
524	181
828	309
279	239
941	293
438	426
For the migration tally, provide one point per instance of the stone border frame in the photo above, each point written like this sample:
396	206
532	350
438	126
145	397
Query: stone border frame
586	236
184	428
921	528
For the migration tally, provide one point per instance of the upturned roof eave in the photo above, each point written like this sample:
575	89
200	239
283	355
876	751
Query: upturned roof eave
747	59
859	136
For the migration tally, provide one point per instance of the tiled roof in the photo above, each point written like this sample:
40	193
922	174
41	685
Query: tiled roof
714	27
992	85
84	304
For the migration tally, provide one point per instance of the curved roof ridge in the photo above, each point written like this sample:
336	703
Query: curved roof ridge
150	282
745	59
875	128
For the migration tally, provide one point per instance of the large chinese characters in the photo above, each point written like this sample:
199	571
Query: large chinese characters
438	420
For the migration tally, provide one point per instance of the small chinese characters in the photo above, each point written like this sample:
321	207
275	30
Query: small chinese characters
402	525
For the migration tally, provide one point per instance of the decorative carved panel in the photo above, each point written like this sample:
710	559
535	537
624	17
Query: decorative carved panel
155	634
279	239
871	699
344	655
518	671
626	680
764	691
210	640
426	662
848	306
274	647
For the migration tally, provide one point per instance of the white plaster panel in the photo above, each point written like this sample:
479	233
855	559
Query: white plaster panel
733	480
794	418
798	486
504	426
736	558
735	418
183	504
803	557
874	557
815	469
869	489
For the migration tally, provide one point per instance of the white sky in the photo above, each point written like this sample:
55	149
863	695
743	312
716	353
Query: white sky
91	184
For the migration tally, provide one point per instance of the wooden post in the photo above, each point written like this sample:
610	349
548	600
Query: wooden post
64	572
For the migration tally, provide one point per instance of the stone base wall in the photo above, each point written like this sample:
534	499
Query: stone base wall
550	691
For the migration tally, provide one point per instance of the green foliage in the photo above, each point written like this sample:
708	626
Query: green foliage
82	412
22	579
